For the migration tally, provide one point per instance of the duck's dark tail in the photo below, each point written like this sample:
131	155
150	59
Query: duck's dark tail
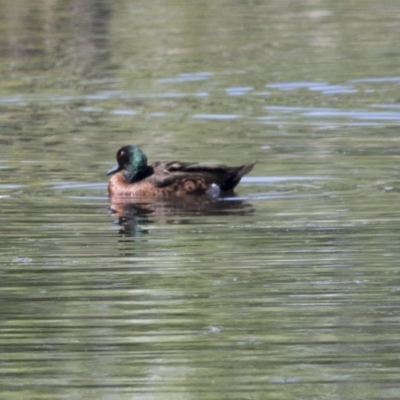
236	174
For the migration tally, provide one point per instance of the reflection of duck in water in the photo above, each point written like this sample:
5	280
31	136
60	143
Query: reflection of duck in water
133	214
163	179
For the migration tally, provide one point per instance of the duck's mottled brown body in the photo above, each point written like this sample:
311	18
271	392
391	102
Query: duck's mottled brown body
134	178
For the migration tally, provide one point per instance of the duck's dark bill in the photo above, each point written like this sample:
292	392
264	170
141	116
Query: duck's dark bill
114	169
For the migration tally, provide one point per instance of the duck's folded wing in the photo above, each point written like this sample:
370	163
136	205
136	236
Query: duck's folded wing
169	173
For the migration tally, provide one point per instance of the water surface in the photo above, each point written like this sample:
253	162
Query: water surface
287	290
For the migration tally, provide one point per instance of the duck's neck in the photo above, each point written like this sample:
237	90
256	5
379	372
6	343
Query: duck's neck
137	169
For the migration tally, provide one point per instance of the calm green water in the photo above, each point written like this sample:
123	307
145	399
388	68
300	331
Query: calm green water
290	290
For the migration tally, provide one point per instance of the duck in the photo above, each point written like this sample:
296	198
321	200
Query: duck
132	176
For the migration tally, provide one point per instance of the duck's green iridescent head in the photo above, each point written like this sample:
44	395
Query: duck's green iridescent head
131	160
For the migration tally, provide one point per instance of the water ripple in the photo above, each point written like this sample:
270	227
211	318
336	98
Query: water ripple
187	77
218	117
